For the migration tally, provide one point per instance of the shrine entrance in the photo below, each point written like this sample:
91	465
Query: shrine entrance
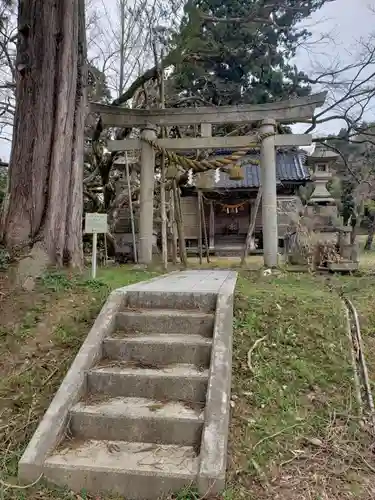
232	219
265	139
230	225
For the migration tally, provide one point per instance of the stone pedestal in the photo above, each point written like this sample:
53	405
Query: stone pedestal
345	247
124	251
329	238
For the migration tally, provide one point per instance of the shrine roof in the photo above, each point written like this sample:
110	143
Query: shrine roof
290	168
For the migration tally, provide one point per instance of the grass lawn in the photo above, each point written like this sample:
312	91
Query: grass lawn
41	333
294	431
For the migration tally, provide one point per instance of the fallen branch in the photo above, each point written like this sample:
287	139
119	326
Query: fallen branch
266	438
50	376
366	463
251	350
362	361
16	487
357	385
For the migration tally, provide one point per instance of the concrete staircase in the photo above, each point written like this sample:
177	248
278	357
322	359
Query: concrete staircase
144	409
137	430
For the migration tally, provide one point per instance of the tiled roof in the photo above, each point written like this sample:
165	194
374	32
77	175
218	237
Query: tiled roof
289	168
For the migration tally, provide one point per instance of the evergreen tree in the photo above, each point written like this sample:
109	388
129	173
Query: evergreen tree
235	62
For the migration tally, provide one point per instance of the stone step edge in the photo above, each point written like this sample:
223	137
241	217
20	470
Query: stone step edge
69	456
163	338
156	410
166	312
167	372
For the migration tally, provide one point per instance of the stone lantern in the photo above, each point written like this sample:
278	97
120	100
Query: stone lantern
321	162
321	206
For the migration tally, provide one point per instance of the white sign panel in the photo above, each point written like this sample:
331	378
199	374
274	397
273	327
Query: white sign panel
96	223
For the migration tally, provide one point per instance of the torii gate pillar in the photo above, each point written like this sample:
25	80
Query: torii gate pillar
146	212
269	198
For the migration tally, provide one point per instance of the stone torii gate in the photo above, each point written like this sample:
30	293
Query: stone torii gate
285	112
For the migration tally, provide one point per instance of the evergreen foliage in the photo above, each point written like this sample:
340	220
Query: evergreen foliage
235	62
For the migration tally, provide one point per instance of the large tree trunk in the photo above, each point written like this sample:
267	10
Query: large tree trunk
46	166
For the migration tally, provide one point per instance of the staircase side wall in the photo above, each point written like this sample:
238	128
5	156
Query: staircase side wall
213	455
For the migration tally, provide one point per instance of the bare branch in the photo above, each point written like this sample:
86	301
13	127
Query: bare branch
350	86
238	20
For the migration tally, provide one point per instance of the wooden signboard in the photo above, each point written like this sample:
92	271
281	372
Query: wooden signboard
96	223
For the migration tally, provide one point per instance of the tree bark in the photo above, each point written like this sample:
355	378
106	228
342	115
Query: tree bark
46	166
370	234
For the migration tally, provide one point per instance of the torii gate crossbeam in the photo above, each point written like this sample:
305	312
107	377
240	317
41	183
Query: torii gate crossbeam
293	110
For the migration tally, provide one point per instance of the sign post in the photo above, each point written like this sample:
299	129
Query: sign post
95	224
94	252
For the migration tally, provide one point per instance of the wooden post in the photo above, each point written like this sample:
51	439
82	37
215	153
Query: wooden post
212	225
134	237
206	242
251	226
269	200
94	255
105	250
200	226
146	216
172	218
180	228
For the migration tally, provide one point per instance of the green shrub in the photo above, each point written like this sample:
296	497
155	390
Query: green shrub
4	259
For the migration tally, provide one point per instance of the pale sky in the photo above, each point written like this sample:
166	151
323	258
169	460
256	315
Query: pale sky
346	20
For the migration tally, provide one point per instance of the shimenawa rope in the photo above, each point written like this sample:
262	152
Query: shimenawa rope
204	165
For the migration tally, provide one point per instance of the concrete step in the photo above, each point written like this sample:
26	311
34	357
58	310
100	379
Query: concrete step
204	302
135	471
160	349
165	321
176	382
137	419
